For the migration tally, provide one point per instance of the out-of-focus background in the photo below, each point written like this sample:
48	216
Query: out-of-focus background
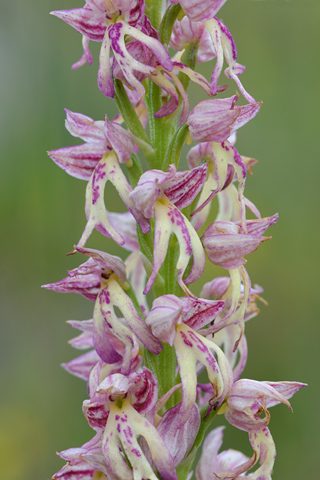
42	217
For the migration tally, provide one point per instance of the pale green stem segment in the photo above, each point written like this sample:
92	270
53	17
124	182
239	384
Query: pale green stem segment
160	128
175	146
167	146
155	13
134	170
167	23
132	120
188	58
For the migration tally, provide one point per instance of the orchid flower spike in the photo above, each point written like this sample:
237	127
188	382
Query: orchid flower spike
137	341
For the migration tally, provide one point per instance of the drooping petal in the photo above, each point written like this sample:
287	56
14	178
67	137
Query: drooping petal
136	275
114	296
95	207
190	348
126	225
228	337
225	46
212	463
108	169
86	56
127	63
102	341
125	425
179	439
170	220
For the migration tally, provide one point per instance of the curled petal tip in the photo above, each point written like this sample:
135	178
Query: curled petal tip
72	252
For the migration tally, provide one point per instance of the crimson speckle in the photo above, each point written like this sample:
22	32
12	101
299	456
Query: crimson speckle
185	339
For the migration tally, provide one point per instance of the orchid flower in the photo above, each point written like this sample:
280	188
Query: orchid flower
222	40
161	195
231	206
214	121
246	401
109	22
118	408
100	137
178	321
109	273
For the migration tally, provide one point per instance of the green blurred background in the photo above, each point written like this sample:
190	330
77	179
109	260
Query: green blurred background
42	217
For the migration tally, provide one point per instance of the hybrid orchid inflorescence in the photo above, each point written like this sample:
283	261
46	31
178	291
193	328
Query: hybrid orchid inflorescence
161	360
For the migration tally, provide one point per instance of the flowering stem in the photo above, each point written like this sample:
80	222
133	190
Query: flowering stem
143	367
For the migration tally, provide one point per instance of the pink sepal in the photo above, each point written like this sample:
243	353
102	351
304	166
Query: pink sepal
200	11
226	246
179	439
82	365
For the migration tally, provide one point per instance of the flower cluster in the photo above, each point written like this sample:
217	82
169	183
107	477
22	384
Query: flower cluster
161	361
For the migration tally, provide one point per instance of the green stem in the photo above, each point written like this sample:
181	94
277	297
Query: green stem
155	13
189	58
206	420
132	120
160	128
134	170
174	148
167	23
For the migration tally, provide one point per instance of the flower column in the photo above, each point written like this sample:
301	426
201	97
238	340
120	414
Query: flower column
150	335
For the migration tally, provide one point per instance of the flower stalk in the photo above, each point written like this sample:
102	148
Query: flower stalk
152	334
